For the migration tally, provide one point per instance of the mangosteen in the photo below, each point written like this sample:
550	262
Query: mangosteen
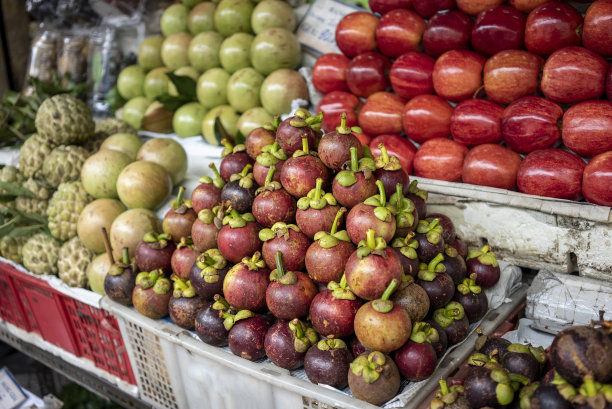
208	193
418	197
209	322
473	300
184	303
374	213
543	397
413	298
442	344
417	359
205	229
328	362
454	263
335	146
327	255
429	236
437	284
271	155
357	347
354	185
183	258
155	252
382	325
300	172
273	204
293	130
405	248
260	137
461	247
152	294
240	190
389	170
406	218
489	345
290	293
374	378
488	386
593	395
120	281
484	264
316	211
524	360
371	267
448	228
287	239
247	333
235	158
179	219
454	322
245	284
239	236
333	310
208	272
286	343
449	398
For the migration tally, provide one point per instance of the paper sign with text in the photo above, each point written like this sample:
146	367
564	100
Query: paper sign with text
11	394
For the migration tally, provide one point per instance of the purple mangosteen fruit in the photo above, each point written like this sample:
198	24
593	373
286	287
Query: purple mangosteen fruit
332	311
184	303
316	211
273	204
287	342
328	362
354	185
374	213
374	378
207	194
208	272
287	239
484	264
244	286
235	158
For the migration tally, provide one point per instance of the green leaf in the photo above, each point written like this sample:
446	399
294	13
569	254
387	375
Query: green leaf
15	189
33	216
173	102
114	99
220	132
185	86
26	230
240	138
7	227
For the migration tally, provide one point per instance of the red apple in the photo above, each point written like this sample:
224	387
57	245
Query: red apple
551	173
457	74
597	180
573	74
398	146
587	127
476	121
552	26
473	7
511	74
426	117
411	73
441	159
356	33
531	123
399	31
381	114
329	73
525	6
597	30
427	8
363	138
334	104
447	30
491	165
367	73
497	29
384	6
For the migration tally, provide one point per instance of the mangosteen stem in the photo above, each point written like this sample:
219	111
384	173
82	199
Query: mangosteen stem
389	290
371	239
444	387
435	261
314	120
383	152
343	129
317	192
245	171
299	330
218	178
269	175
354	159
107	246
179	198
278	257
381	192
343	281
589	386
336	223
400	194
235	213
125	256
305	147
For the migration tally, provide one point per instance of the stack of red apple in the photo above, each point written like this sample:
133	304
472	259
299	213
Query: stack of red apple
489	90
314	258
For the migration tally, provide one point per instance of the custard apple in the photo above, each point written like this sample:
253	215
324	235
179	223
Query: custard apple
111	126
32	155
36	205
9	174
64	120
64	209
11	247
64	164
40	254
74	258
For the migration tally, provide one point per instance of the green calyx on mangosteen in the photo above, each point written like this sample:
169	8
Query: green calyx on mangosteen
413	189
484	255
278	229
210	262
407	245
331	344
491	385
374	378
432	230
334	237
371	245
182	288
122	264
386	161
271	155
365	165
229	318
369	367
469	286
245	177
316	198
269	184
236	220
447	396
403	206
447	315
592	394
280	275
341	290
217	181
154	279
428	272
229	148
423	332
157	240
382	210
304	335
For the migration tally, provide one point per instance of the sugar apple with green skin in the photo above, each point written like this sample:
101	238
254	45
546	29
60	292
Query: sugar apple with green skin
11	247
9	174
64	209
64	120
64	164
74	258
40	254
36	205
110	126
32	155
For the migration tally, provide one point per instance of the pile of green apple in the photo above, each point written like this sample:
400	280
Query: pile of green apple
238	59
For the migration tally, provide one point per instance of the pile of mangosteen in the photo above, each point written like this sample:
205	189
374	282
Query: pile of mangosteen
307	249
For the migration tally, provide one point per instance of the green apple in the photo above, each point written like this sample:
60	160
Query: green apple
212	87
273	49
156	82
149	53
174	50
253	118
183	71
280	88
133	111
191	3
187	120
204	50
202	18
130	82
174	19
273	14
233	16
235	52
228	117
243	89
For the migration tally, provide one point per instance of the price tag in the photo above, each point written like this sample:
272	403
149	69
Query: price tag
11	394
317	30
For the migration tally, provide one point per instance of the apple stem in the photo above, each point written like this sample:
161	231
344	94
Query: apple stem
354	159
278	257
107	246
317	192
336	223
444	387
381	192
371	239
269	175
383	152
389	290
125	255
305	147
435	261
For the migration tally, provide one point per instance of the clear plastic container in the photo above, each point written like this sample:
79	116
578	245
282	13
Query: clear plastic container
105	64
43	56
72	61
